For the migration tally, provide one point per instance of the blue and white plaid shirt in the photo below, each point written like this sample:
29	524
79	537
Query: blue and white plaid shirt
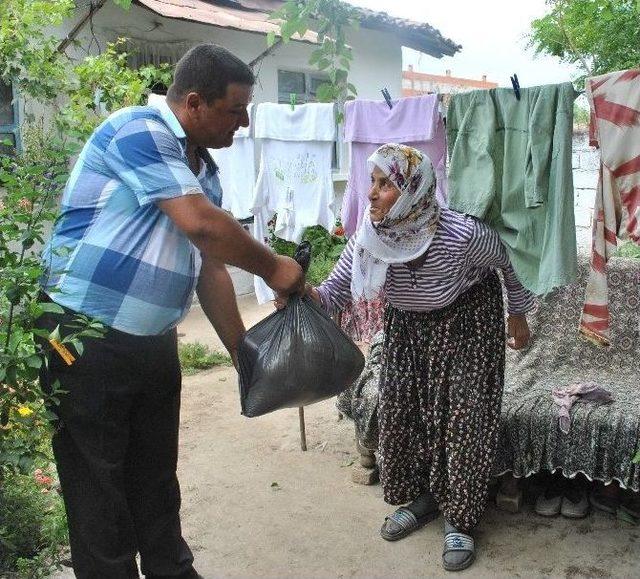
114	255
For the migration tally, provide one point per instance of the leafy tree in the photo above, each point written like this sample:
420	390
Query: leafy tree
599	36
105	83
330	19
28	55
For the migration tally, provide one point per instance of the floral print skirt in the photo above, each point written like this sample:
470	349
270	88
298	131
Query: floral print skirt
440	395
363	319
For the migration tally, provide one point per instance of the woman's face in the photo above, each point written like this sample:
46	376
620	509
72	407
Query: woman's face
383	195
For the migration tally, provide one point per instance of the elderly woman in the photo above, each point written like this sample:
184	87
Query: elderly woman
443	356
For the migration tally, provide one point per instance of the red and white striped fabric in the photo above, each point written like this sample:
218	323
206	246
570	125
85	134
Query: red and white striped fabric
615	129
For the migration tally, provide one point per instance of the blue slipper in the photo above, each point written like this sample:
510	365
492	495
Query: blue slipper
403	522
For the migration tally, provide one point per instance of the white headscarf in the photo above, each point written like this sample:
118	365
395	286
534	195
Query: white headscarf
407	231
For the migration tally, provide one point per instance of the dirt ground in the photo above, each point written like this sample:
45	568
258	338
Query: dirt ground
255	505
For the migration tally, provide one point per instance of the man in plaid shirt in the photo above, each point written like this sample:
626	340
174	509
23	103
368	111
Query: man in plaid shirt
140	229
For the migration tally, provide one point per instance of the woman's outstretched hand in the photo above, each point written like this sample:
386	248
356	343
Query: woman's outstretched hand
518	334
280	302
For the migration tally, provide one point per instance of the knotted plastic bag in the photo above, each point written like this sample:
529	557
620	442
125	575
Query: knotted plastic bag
296	356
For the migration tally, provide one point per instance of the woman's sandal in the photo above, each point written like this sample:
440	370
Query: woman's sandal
455	542
403	522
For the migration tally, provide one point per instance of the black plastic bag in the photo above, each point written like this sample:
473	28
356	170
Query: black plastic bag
296	356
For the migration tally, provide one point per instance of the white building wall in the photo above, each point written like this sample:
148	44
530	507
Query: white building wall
377	60
377	56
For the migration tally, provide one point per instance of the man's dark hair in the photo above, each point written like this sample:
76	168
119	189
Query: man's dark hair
208	69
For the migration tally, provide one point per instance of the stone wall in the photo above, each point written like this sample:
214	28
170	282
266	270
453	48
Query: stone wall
586	162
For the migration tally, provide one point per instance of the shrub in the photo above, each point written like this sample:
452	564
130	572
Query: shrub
33	525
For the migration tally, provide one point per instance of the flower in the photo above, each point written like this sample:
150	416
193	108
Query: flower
25	204
339	232
41	478
25	411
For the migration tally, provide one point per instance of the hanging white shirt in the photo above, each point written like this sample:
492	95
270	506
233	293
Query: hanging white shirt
238	171
294	179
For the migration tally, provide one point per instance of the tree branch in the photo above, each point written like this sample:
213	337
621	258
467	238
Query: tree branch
78	27
572	46
266	53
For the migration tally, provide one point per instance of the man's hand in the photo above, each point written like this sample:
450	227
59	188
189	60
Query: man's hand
281	301
518	334
287	277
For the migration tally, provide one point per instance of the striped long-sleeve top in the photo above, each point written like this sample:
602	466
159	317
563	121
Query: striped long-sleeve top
463	252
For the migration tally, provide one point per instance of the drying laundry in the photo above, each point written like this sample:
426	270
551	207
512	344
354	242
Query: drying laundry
615	129
565	398
510	165
238	171
413	121
294	180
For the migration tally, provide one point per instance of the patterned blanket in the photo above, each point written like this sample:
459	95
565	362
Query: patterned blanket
603	439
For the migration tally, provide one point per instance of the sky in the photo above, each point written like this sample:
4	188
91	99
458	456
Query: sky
493	35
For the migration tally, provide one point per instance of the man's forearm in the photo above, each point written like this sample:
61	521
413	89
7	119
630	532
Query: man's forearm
219	236
218	300
228	241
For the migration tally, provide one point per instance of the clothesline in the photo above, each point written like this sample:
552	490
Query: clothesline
519	181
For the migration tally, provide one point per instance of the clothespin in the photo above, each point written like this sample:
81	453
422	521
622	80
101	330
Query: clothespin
387	97
516	85
293	99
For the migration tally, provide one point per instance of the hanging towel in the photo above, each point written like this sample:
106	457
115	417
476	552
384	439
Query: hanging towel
238	171
310	122
413	121
566	397
294	179
510	165
615	129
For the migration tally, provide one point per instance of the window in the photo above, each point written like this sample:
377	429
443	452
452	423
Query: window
9	130
305	86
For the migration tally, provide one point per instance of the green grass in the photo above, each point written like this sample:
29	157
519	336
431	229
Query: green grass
195	357
629	249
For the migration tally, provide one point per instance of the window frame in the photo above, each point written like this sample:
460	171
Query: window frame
307	95
14	128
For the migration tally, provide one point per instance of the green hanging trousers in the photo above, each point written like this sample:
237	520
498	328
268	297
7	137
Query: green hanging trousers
511	166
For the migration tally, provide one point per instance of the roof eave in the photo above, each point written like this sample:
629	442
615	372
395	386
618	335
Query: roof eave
415	35
418	36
